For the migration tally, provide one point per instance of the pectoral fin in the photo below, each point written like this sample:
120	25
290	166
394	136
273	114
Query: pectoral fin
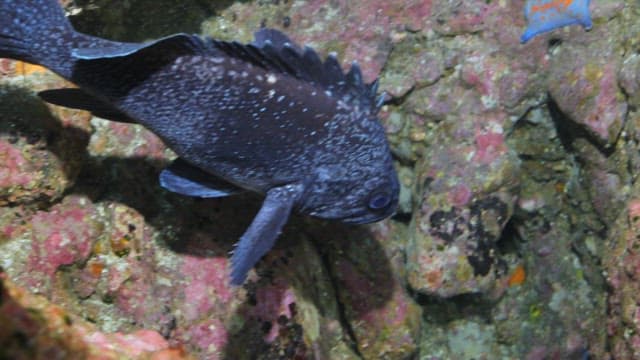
183	178
263	231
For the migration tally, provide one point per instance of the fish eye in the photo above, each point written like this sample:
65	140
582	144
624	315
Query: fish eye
379	200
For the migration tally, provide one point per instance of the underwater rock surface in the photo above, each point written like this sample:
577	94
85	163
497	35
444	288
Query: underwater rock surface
518	211
34	328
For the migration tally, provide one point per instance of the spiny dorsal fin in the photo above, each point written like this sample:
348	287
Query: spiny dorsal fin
273	36
271	49
274	50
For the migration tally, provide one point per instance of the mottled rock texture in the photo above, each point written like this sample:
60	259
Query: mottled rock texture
519	170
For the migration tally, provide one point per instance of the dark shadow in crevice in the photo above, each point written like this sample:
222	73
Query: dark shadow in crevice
404	218
25	118
443	311
568	130
510	241
360	278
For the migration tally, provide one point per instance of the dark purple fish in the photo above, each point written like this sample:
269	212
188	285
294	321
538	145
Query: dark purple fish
269	117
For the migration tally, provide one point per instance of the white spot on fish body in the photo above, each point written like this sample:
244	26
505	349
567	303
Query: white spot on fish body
217	60
280	98
259	77
342	105
272	93
254	90
271	78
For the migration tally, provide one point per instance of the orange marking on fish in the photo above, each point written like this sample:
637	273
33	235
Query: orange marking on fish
518	276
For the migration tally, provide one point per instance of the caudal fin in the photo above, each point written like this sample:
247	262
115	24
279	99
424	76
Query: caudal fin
35	31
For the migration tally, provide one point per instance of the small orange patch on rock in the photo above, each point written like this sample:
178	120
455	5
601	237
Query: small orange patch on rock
25	68
121	246
518	276
95	268
170	354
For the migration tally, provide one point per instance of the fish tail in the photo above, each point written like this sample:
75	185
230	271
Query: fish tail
35	31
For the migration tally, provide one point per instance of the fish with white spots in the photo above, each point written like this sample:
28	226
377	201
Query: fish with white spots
268	117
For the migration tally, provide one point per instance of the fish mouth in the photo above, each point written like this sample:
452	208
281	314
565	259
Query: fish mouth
367	218
356	218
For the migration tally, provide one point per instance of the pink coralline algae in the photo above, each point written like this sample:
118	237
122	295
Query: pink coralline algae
403	73
206	285
137	343
54	333
500	83
383	317
463	17
373	27
7	67
586	89
623	272
276	301
457	226
208	337
380	329
13	171
23	174
489	146
35	166
62	236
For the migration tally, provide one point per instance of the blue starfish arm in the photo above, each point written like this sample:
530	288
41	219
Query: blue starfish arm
547	15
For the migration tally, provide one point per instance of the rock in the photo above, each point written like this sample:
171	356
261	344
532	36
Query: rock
380	314
621	266
33	328
515	161
586	90
41	148
457	225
